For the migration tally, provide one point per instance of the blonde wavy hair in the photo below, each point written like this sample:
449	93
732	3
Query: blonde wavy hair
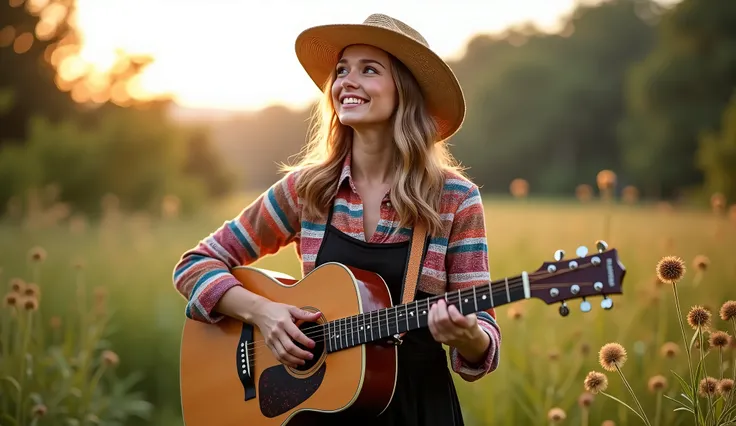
420	161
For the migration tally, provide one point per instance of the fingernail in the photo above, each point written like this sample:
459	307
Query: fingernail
311	355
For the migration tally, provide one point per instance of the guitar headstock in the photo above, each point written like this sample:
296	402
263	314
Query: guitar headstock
598	274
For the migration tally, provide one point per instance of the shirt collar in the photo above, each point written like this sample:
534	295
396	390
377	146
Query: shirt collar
346	174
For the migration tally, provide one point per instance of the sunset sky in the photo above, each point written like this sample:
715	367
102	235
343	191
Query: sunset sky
238	54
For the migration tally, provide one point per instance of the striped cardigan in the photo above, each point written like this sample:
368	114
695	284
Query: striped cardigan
455	259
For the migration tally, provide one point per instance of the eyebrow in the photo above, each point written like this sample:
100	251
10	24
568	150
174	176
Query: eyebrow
363	61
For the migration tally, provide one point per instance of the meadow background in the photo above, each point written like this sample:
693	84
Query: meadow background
621	126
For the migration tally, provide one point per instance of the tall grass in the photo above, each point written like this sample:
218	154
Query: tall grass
545	357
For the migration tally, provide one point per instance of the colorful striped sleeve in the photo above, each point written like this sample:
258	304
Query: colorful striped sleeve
269	223
467	265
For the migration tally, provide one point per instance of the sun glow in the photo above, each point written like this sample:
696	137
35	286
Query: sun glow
239	55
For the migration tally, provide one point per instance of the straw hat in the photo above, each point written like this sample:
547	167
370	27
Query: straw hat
318	49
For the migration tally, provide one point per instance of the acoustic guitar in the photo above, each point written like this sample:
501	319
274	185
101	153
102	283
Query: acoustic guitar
229	377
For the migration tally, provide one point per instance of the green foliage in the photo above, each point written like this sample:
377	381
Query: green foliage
61	372
717	156
545	107
138	156
679	91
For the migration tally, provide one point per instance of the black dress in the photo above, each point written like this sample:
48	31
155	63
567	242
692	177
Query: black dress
425	393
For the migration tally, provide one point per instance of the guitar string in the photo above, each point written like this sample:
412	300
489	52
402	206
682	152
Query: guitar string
319	330
347	330
317	333
514	283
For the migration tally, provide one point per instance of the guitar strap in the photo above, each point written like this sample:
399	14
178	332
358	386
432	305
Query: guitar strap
414	267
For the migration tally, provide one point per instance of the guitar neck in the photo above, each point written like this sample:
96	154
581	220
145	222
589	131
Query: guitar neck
380	324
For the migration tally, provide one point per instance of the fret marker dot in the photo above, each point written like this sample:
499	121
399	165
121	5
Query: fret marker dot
361	327
484	297
424	312
466	300
411	314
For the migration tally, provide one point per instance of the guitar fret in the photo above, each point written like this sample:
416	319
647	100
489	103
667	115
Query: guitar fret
460	301
508	296
490	291
370	323
352	331
345	331
406	315
396	314
416	311
328	338
365	336
388	326
475	300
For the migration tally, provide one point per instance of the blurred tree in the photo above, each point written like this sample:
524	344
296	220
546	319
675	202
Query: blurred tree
545	107
42	73
678	92
717	156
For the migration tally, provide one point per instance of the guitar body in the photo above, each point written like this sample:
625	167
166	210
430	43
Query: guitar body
220	386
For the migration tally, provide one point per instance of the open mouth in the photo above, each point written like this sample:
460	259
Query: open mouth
353	101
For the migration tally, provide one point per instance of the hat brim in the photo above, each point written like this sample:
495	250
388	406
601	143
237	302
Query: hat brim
318	49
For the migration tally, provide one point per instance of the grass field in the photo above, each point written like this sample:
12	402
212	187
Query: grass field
544	360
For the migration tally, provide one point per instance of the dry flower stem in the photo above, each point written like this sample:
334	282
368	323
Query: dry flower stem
687	346
633	395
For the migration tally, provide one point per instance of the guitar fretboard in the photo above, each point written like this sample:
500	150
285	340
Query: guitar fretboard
380	324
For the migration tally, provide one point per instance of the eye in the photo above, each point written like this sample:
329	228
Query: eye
340	70
371	69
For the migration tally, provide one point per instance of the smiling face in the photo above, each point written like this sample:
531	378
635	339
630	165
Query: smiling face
364	91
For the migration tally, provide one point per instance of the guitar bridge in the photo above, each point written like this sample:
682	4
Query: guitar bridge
244	361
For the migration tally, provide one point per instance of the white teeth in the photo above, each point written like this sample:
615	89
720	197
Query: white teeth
353	101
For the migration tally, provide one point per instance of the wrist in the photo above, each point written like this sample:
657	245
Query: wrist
476	347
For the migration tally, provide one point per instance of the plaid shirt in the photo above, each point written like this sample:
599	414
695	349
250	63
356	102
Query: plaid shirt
455	259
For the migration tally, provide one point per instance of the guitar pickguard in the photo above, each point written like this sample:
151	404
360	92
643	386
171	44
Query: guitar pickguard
280	391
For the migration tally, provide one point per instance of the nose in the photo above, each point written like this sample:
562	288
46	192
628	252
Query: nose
348	82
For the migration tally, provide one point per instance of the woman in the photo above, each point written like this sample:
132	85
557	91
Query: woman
377	163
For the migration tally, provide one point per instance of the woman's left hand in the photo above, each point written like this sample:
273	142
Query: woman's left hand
452	328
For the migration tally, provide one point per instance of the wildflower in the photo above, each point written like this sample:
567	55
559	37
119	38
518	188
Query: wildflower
701	262
30	303
670	350
584	192
595	382
39	410
584	348
657	383
110	358
719	339
17	285
12	298
707	386
630	194
717	202
698	317
55	322
670	269
514	313
37	254
32	290
728	310
612	356
519	188
556	415
725	386
585	399
608	423
606	180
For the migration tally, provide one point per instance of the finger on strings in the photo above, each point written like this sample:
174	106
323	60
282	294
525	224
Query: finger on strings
283	354
295	333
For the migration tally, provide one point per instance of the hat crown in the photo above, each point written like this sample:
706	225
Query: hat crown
393	24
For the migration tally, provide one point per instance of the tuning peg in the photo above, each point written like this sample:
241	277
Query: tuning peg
559	255
606	303
601	246
564	310
582	251
585	306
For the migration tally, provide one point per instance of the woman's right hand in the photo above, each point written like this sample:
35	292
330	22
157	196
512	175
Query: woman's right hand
277	324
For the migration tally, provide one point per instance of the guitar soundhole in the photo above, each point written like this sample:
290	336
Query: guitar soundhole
319	346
